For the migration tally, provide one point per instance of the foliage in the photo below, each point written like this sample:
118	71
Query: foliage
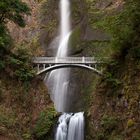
111	74
10	10
108	128
45	122
109	123
113	81
124	26
101	136
13	10
24	74
21	65
5	39
7	119
130	123
27	136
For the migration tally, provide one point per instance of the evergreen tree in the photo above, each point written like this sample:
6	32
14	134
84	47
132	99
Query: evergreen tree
13	10
10	10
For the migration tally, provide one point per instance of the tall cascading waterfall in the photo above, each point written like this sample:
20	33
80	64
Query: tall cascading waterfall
59	79
71	125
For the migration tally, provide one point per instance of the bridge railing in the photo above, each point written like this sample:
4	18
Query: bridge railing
62	60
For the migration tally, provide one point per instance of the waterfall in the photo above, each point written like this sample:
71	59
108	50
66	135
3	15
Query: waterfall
76	127
62	129
58	80
71	127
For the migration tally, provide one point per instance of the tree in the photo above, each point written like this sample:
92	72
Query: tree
10	10
13	10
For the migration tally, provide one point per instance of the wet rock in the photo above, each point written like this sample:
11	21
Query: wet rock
102	4
96	35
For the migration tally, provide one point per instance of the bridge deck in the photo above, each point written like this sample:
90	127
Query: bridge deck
65	60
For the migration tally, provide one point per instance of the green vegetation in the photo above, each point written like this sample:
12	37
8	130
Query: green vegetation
112	109
123	26
45	123
13	11
115	101
7	119
16	90
109	123
130	123
20	64
108	128
17	61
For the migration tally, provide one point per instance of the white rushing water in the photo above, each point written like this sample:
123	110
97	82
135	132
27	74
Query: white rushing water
71	127
59	79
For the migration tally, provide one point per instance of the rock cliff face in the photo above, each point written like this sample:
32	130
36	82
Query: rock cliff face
114	108
114	111
23	103
42	27
112	103
32	28
81	44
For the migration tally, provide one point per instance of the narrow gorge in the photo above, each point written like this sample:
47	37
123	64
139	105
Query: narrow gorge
69	69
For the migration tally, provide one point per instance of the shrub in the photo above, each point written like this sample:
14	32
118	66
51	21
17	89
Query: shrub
20	64
101	136
111	80
130	123
109	123
24	74
45	122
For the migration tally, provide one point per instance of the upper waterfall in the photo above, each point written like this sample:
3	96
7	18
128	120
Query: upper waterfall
65	18
64	28
58	80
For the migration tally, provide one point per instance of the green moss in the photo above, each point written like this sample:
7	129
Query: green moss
75	39
130	123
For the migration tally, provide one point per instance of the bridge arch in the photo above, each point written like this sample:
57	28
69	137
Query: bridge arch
59	66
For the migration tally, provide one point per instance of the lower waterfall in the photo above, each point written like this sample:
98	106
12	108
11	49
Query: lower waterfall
70	127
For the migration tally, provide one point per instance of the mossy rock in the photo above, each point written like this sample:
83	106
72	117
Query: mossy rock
75	41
